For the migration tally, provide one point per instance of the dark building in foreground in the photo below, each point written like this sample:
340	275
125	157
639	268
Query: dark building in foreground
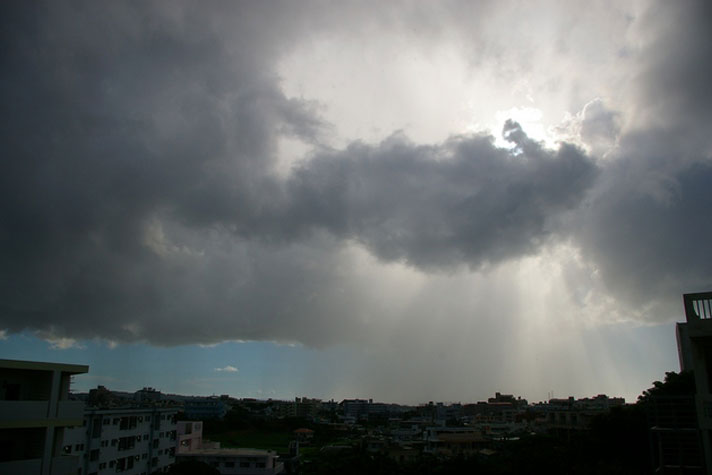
681	427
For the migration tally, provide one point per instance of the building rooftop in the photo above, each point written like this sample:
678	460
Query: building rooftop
44	366
240	452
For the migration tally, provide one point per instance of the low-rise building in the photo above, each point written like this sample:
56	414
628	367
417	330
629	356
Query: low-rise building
452	441
237	461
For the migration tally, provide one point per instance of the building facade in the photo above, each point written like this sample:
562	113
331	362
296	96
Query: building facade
35	412
190	436
695	350
134	441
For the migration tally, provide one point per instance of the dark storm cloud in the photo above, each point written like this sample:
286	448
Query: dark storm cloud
648	225
113	114
138	199
463	202
140	119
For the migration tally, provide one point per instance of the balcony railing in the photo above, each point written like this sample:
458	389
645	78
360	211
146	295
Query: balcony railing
65	465
23	410
14	411
70	410
698	306
22	467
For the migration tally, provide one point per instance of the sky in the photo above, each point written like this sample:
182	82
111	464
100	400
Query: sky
406	201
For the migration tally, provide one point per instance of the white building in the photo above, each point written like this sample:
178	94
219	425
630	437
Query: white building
134	441
34	413
190	436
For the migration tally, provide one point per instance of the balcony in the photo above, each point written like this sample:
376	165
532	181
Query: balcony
23	467
34	413
73	410
14	412
65	465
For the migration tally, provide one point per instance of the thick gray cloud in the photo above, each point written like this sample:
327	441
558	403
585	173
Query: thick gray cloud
138	198
462	202
648	224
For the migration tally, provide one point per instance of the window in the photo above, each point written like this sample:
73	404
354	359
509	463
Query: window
229	464
102	465
127	422
244	464
145	436
94	455
67	449
96	428
260	465
104	443
127	443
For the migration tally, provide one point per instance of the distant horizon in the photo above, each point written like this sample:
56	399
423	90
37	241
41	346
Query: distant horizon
109	370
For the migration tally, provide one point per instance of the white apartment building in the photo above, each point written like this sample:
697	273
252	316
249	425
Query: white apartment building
133	441
34	413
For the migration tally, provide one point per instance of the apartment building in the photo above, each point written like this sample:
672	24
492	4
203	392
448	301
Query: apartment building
35	412
131	440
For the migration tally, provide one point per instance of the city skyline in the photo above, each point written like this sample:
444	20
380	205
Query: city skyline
408	201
